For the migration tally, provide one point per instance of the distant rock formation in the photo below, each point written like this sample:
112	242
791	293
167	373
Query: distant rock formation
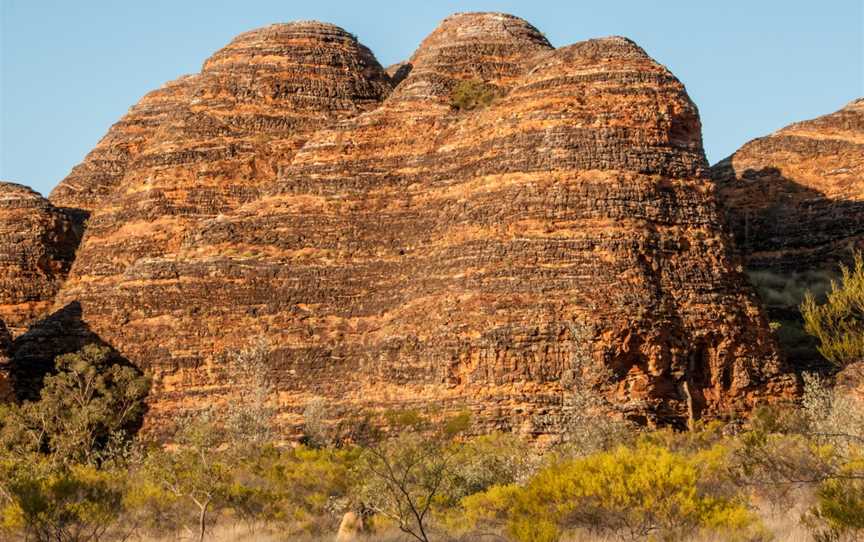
399	252
795	200
37	247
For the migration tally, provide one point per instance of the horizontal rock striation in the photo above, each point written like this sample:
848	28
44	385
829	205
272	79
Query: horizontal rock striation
795	201
251	107
400	252
37	247
90	183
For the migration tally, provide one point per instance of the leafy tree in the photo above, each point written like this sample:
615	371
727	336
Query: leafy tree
838	324
589	422
86	410
250	414
318	433
199	472
403	477
216	452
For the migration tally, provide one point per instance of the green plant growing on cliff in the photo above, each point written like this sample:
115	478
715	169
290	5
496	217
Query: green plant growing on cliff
472	94
838	324
87	410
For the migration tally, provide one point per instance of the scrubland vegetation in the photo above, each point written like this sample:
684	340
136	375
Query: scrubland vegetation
72	469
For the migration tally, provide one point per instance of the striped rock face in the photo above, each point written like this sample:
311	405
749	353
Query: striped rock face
37	247
795	201
218	140
91	182
400	252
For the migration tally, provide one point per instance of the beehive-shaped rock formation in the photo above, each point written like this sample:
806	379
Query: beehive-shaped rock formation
795	199
412	253
37	247
219	139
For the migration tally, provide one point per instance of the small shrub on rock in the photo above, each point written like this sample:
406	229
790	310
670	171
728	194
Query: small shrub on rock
472	94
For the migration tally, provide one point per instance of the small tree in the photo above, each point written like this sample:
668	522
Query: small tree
198	471
250	414
589	425
212	447
89	406
405	477
317	431
838	324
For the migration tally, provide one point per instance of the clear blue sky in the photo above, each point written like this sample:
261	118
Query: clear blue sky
72	68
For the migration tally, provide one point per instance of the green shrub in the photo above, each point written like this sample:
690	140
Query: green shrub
51	502
639	491
838	324
472	94
839	511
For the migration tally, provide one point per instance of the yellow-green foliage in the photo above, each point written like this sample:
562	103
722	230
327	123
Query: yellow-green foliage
50	501
638	491
838	324
304	481
839	512
472	94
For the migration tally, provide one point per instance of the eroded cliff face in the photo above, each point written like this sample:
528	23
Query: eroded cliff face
397	252
92	181
795	201
37	247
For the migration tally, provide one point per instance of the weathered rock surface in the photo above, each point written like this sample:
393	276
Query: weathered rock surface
90	183
37	247
399	253
251	107
795	201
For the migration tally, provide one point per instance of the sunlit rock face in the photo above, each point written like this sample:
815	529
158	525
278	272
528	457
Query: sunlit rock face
37	247
402	253
795	201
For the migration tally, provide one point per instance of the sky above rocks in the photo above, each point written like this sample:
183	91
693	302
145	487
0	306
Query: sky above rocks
68	70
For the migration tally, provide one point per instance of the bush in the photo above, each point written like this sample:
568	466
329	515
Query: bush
472	94
639	491
839	512
838	324
50	502
310	488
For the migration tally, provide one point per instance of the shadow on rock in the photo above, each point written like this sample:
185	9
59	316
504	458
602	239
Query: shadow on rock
793	239
33	353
